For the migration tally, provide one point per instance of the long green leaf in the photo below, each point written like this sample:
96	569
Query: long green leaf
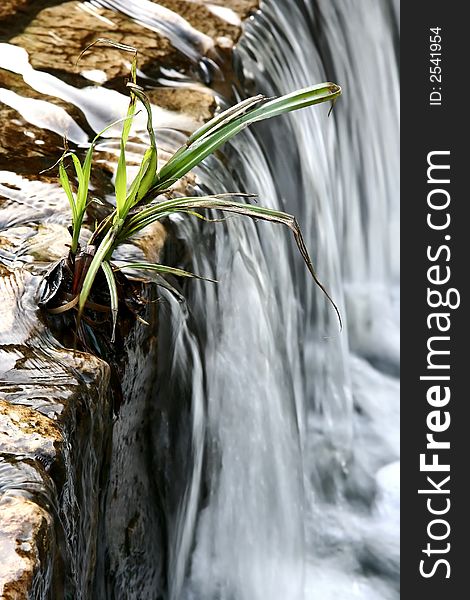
113	294
101	255
83	175
164	270
121	174
190	156
224	118
139	92
178	205
157	211
146	176
78	204
322	92
65	182
135	185
217	122
77	215
78	169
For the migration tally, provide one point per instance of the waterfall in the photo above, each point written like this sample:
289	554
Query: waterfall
301	421
258	460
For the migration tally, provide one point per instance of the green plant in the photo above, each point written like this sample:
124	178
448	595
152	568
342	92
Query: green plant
136	207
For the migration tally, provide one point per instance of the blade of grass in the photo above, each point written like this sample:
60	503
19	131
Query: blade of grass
147	215
224	118
79	203
113	294
322	92
147	175
139	92
162	282
164	270
118	46
120	184
65	182
135	185
178	205
101	255
121	175
218	121
186	159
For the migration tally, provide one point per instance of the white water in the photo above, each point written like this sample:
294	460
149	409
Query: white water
301	428
294	425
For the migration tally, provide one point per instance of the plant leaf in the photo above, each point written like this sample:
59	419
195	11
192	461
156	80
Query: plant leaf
162	282
113	294
156	211
79	204
188	157
118	46
101	255
164	270
218	122
121	174
139	92
224	118
135	185
148	166
178	205
309	96
65	182
149	175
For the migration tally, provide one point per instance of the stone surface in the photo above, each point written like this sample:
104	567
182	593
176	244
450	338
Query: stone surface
199	15
52	401
25	533
26	431
57	35
10	8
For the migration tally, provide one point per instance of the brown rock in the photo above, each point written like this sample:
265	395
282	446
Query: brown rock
25	531
57	35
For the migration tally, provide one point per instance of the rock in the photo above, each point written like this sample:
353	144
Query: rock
52	403
25	534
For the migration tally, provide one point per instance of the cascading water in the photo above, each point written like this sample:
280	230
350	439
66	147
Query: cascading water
268	457
300	429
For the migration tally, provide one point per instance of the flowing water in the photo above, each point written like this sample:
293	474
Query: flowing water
303	420
287	459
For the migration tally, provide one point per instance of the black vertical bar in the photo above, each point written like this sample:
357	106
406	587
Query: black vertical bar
434	119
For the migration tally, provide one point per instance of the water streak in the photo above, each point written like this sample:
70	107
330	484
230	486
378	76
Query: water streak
298	427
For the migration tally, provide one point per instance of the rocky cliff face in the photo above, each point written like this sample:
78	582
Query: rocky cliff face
83	500
55	420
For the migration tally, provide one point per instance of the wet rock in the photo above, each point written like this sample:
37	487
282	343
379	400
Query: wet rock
57	35
199	105
131	560
12	11
215	23
26	527
54	418
25	534
27	432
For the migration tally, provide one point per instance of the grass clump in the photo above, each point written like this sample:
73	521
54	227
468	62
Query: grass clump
136	203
